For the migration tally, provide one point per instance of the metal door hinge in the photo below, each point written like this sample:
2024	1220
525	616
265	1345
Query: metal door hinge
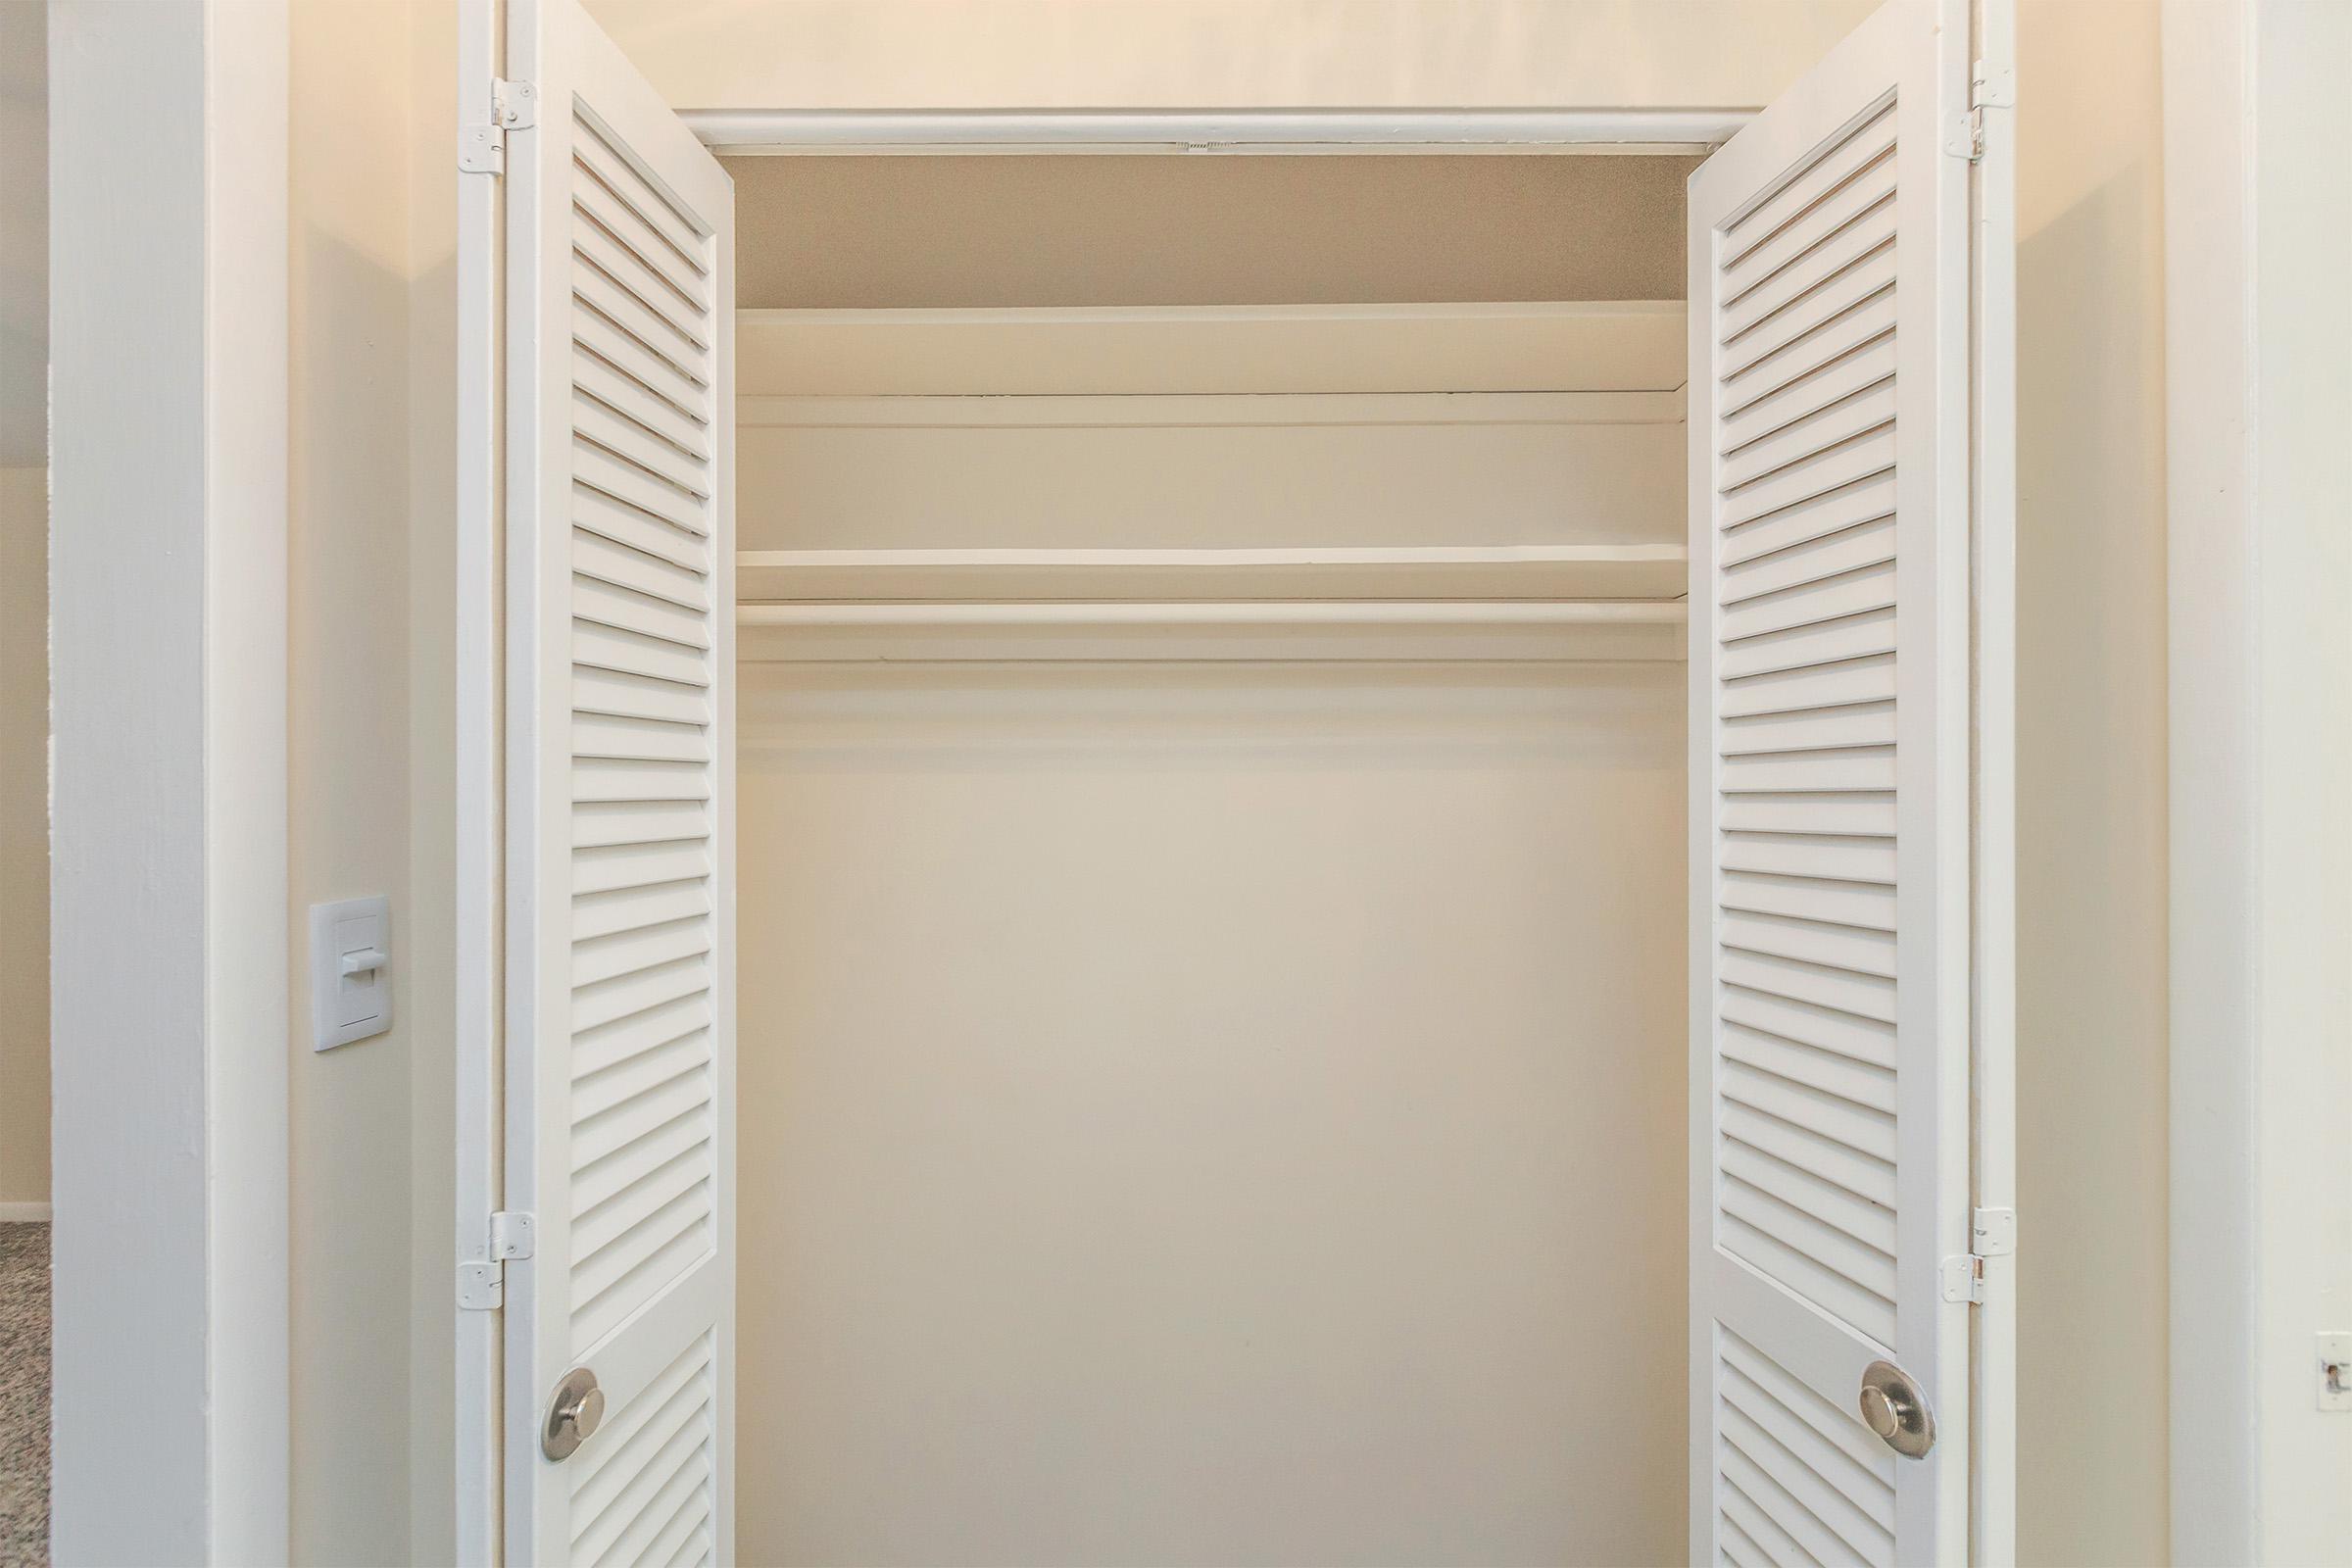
1988	87
482	1285
482	149
1992	1232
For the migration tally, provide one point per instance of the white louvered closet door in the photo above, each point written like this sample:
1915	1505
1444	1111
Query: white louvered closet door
1830	774
619	1059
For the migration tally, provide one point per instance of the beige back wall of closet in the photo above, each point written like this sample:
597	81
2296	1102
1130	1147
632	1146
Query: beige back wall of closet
858	231
1212	1115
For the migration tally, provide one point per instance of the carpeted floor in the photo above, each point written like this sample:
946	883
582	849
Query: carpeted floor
24	1394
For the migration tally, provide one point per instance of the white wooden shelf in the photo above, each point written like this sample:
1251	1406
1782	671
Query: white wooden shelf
1492	604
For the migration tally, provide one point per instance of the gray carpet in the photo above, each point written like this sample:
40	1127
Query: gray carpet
24	1394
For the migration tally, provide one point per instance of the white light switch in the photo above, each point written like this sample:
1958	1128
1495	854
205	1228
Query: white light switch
350	970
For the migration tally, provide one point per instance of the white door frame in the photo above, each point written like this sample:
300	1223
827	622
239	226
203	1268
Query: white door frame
168	966
2258	575
1015	132
1292	133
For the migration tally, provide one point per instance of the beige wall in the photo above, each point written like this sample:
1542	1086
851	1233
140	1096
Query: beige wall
857	233
348	688
24	607
370	377
1218	53
1211	1114
24	835
2091	987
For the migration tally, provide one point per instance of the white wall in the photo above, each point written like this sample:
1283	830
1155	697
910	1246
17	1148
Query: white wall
2262	765
1217	54
2303	404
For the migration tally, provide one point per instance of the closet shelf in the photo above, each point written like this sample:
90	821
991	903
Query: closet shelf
1509	603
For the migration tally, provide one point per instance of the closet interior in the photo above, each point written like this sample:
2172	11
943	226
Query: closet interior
1211	859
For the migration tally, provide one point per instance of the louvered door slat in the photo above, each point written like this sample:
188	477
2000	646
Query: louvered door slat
1860	283
621	946
1817	388
1859	180
610	517
1828	1051
643	445
1854	859
1848	549
1837	421
601	249
612	342
629	226
1820	342
1810	686
625	394
1771	216
1863	1038
1870	498
607	691
598	1050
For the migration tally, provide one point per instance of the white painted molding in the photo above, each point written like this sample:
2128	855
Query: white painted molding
746	132
169	964
2258	333
477	844
31	1213
1573	345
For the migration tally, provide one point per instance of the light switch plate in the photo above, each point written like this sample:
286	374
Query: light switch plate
350	970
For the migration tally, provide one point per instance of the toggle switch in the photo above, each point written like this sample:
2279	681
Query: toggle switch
350	970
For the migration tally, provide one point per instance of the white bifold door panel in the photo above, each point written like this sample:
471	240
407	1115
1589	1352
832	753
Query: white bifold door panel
1831	441
620	234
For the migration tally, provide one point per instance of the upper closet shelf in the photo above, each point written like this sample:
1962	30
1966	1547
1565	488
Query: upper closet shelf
1495	604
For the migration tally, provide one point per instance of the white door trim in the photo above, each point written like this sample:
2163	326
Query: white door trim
478	793
741	132
168	966
2257	336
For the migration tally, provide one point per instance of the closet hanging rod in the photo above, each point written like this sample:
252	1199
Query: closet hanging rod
1248	613
1536	574
1316	630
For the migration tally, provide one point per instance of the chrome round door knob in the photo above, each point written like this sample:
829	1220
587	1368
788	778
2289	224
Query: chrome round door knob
1893	1408
573	1415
